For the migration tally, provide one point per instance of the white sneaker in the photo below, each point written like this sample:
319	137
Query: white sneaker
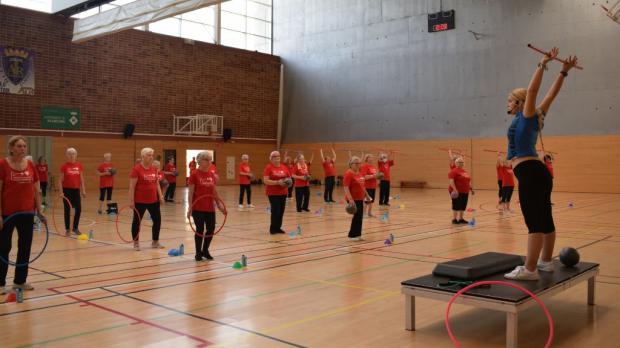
251	206
240	206
545	266
521	273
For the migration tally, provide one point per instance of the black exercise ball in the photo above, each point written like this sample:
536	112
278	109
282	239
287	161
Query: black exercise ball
569	256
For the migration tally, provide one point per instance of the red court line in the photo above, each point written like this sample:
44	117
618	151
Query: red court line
203	343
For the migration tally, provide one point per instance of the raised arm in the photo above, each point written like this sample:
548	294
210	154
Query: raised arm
322	157
333	155
529	109
557	84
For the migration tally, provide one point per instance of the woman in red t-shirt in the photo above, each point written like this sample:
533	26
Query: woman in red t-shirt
170	173
245	181
301	174
20	192
385	164
204	198
354	193
330	176
145	194
106	172
43	171
508	186
71	179
460	184
276	178
370	174
161	178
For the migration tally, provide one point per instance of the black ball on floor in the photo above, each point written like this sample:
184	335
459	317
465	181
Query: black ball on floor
569	256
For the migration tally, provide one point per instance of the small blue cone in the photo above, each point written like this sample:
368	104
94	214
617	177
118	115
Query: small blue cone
384	217
173	252
387	242
472	222
292	234
318	193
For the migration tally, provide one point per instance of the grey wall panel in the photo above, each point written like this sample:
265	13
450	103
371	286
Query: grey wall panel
369	70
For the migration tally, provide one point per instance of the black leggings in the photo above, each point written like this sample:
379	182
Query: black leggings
73	195
203	219
290	188
105	192
302	197
245	188
507	193
500	192
43	188
535	185
278	204
356	222
24	224
155	213
330	182
170	191
384	192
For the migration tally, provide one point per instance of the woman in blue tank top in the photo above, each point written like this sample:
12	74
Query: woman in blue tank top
534	179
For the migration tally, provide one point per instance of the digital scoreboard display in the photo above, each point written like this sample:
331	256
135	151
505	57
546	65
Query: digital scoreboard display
440	21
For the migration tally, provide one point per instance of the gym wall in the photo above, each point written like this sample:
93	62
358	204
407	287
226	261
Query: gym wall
370	70
138	77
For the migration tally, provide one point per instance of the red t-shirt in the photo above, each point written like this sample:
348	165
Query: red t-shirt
300	170
368	169
192	166
72	175
549	168
42	171
17	188
500	171
105	180
384	167
328	167
170	167
355	183
461	180
452	165
276	173
146	186
204	184
508	179
244	168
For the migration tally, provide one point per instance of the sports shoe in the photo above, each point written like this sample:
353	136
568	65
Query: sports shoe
198	257
251	206
24	286
207	256
455	221
77	232
522	273
155	245
240	206
136	246
462	221
99	212
356	239
545	266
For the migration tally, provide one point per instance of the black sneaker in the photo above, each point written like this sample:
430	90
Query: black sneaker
281	231
207	256
455	222
306	210
198	257
463	221
388	204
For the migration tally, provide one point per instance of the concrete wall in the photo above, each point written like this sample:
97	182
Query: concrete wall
369	70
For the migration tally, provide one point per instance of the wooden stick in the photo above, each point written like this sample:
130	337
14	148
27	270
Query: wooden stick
556	58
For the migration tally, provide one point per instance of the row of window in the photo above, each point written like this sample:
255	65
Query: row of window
244	24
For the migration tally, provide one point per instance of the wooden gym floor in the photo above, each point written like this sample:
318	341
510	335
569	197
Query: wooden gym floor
317	290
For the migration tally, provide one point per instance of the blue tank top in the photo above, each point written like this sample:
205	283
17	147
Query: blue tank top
522	136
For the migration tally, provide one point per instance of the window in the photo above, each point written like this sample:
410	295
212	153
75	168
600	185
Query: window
37	5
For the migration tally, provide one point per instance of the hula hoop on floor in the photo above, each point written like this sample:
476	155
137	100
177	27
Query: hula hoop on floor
47	238
70	217
502	283
191	209
139	223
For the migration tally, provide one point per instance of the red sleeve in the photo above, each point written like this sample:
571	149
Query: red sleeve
347	179
134	172
452	174
192	179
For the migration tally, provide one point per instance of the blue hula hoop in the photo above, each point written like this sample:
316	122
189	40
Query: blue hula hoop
47	238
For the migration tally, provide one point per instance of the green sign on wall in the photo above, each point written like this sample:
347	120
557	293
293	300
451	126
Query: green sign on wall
60	118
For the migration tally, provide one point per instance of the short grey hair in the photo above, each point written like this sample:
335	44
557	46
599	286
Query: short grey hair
71	150
145	151
156	163
204	155
244	156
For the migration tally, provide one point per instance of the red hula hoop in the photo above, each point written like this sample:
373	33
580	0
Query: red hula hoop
503	283
191	209
139	223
